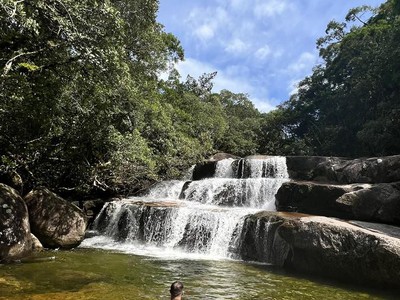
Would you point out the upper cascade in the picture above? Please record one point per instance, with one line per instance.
(266, 167)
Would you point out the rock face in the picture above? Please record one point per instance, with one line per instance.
(367, 202)
(15, 235)
(364, 253)
(341, 170)
(54, 221)
(204, 169)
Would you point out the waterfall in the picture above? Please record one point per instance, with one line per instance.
(201, 218)
(224, 168)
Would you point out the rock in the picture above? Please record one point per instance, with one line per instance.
(12, 179)
(36, 244)
(221, 155)
(342, 170)
(15, 234)
(185, 186)
(325, 247)
(204, 170)
(365, 202)
(368, 170)
(316, 168)
(375, 203)
(314, 198)
(54, 221)
(92, 208)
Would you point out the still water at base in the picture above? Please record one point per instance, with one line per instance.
(99, 274)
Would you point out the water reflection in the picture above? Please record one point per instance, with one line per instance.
(97, 274)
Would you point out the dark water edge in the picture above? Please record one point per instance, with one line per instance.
(99, 274)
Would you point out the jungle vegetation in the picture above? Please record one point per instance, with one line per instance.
(84, 110)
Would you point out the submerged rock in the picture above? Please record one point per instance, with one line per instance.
(361, 253)
(54, 221)
(15, 234)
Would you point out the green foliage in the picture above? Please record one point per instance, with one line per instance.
(75, 75)
(83, 109)
(243, 121)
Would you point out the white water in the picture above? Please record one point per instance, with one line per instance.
(224, 168)
(205, 223)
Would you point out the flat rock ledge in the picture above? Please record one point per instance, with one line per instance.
(359, 252)
(365, 202)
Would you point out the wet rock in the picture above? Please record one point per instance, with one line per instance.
(222, 155)
(204, 170)
(54, 221)
(197, 237)
(36, 244)
(327, 247)
(185, 186)
(15, 235)
(92, 208)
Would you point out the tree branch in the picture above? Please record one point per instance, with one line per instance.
(9, 63)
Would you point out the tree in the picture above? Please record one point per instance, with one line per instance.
(74, 76)
(243, 120)
(349, 106)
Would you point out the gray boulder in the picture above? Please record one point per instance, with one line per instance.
(314, 198)
(326, 247)
(365, 202)
(375, 203)
(15, 234)
(342, 170)
(54, 221)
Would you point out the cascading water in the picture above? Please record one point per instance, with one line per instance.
(202, 218)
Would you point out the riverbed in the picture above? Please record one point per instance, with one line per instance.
(104, 274)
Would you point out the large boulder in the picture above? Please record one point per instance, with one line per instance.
(314, 198)
(366, 202)
(317, 168)
(342, 170)
(54, 221)
(361, 253)
(15, 234)
(376, 203)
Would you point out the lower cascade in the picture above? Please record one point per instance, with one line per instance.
(202, 218)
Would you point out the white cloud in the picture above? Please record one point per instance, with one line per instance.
(269, 8)
(205, 23)
(204, 32)
(236, 46)
(263, 52)
(305, 62)
(263, 105)
(240, 4)
(293, 86)
(226, 80)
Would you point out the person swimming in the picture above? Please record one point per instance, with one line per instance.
(176, 290)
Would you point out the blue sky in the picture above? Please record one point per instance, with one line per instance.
(258, 47)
